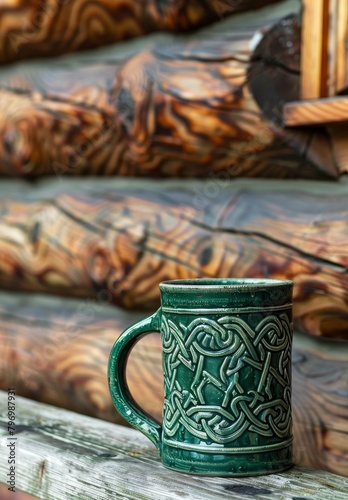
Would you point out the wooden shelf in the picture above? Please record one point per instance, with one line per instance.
(316, 112)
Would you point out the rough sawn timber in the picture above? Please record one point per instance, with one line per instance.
(185, 108)
(129, 239)
(66, 456)
(56, 351)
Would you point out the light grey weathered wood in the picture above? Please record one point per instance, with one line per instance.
(63, 455)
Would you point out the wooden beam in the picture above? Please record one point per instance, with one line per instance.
(342, 45)
(102, 460)
(314, 48)
(316, 112)
(333, 49)
(338, 47)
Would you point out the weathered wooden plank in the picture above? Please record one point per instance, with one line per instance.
(66, 455)
(152, 115)
(316, 112)
(126, 241)
(314, 49)
(56, 351)
(36, 28)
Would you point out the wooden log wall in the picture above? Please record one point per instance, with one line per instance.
(56, 352)
(36, 28)
(211, 107)
(183, 109)
(129, 239)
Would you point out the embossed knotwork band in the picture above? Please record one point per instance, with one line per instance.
(249, 386)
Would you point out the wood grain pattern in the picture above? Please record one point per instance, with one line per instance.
(332, 47)
(36, 28)
(102, 459)
(58, 354)
(337, 47)
(183, 109)
(340, 46)
(126, 241)
(314, 49)
(316, 112)
(320, 396)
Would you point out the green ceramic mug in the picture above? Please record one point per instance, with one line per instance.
(227, 376)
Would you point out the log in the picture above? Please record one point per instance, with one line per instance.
(57, 352)
(319, 402)
(36, 28)
(127, 240)
(104, 461)
(209, 104)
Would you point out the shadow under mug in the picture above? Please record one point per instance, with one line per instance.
(226, 351)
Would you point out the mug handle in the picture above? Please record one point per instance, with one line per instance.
(119, 390)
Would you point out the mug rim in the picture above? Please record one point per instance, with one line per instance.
(223, 284)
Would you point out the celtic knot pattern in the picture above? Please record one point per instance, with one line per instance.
(224, 378)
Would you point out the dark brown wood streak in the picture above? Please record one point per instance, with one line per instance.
(185, 109)
(320, 397)
(127, 240)
(32, 28)
(58, 355)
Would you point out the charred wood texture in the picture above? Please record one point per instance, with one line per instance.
(128, 240)
(59, 356)
(184, 109)
(32, 28)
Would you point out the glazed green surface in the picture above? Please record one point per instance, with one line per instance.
(227, 376)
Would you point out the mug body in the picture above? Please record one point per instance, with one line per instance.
(227, 376)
